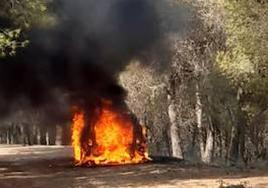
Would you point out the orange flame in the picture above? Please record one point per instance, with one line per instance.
(115, 140)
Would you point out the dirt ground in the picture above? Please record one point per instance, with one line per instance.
(45, 167)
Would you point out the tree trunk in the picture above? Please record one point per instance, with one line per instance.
(207, 155)
(58, 135)
(233, 153)
(198, 112)
(35, 133)
(43, 136)
(237, 138)
(52, 135)
(38, 135)
(8, 136)
(174, 132)
(66, 135)
(206, 149)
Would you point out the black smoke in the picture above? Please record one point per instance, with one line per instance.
(76, 62)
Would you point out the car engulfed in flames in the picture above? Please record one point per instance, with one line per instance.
(107, 136)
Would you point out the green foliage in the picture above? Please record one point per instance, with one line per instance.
(245, 59)
(23, 15)
(27, 13)
(9, 42)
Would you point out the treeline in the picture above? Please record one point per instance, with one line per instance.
(30, 127)
(25, 134)
(211, 104)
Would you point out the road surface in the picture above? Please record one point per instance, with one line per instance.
(52, 166)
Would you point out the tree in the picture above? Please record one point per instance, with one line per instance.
(18, 17)
(147, 99)
(244, 63)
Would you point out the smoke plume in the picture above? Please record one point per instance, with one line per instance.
(76, 62)
(81, 56)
